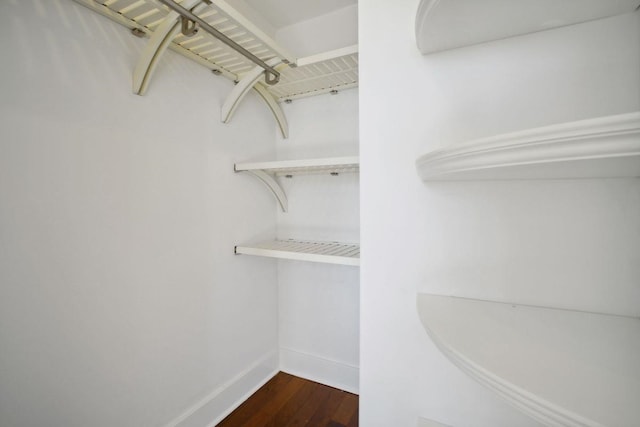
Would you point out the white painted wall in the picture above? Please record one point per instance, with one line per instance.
(121, 302)
(319, 303)
(326, 32)
(573, 244)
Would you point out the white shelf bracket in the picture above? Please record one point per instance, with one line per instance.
(239, 91)
(273, 185)
(268, 171)
(274, 106)
(158, 43)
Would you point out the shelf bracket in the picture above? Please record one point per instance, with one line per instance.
(274, 106)
(273, 185)
(157, 45)
(239, 91)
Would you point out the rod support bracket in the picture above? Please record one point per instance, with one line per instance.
(271, 78)
(189, 27)
(193, 17)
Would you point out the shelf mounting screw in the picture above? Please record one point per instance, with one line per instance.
(138, 32)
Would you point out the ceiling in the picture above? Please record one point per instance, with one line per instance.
(282, 13)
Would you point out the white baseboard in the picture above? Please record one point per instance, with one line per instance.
(321, 370)
(214, 407)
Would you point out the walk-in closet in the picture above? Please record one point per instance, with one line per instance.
(331, 213)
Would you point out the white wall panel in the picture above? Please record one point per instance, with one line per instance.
(330, 31)
(571, 243)
(121, 302)
(319, 304)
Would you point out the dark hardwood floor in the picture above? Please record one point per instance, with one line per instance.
(288, 401)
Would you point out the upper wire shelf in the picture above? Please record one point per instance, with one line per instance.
(301, 77)
(304, 250)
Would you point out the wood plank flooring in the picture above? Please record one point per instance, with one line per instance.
(289, 401)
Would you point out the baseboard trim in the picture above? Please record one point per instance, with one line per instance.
(214, 407)
(319, 369)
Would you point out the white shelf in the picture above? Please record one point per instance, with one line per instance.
(303, 166)
(268, 171)
(334, 70)
(318, 74)
(607, 147)
(443, 25)
(561, 367)
(324, 252)
(287, 78)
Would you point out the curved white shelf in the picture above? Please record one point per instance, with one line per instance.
(442, 25)
(268, 171)
(324, 252)
(606, 147)
(561, 367)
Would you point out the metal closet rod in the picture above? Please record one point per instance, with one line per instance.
(271, 75)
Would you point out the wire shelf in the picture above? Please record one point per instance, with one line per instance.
(314, 75)
(334, 165)
(324, 252)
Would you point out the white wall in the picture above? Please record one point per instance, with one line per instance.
(326, 32)
(319, 303)
(121, 302)
(573, 244)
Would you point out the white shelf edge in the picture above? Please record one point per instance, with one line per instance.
(561, 367)
(594, 148)
(292, 165)
(322, 252)
(445, 25)
(423, 14)
(316, 92)
(328, 55)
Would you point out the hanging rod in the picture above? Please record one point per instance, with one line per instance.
(271, 76)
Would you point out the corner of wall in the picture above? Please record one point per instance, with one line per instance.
(223, 400)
